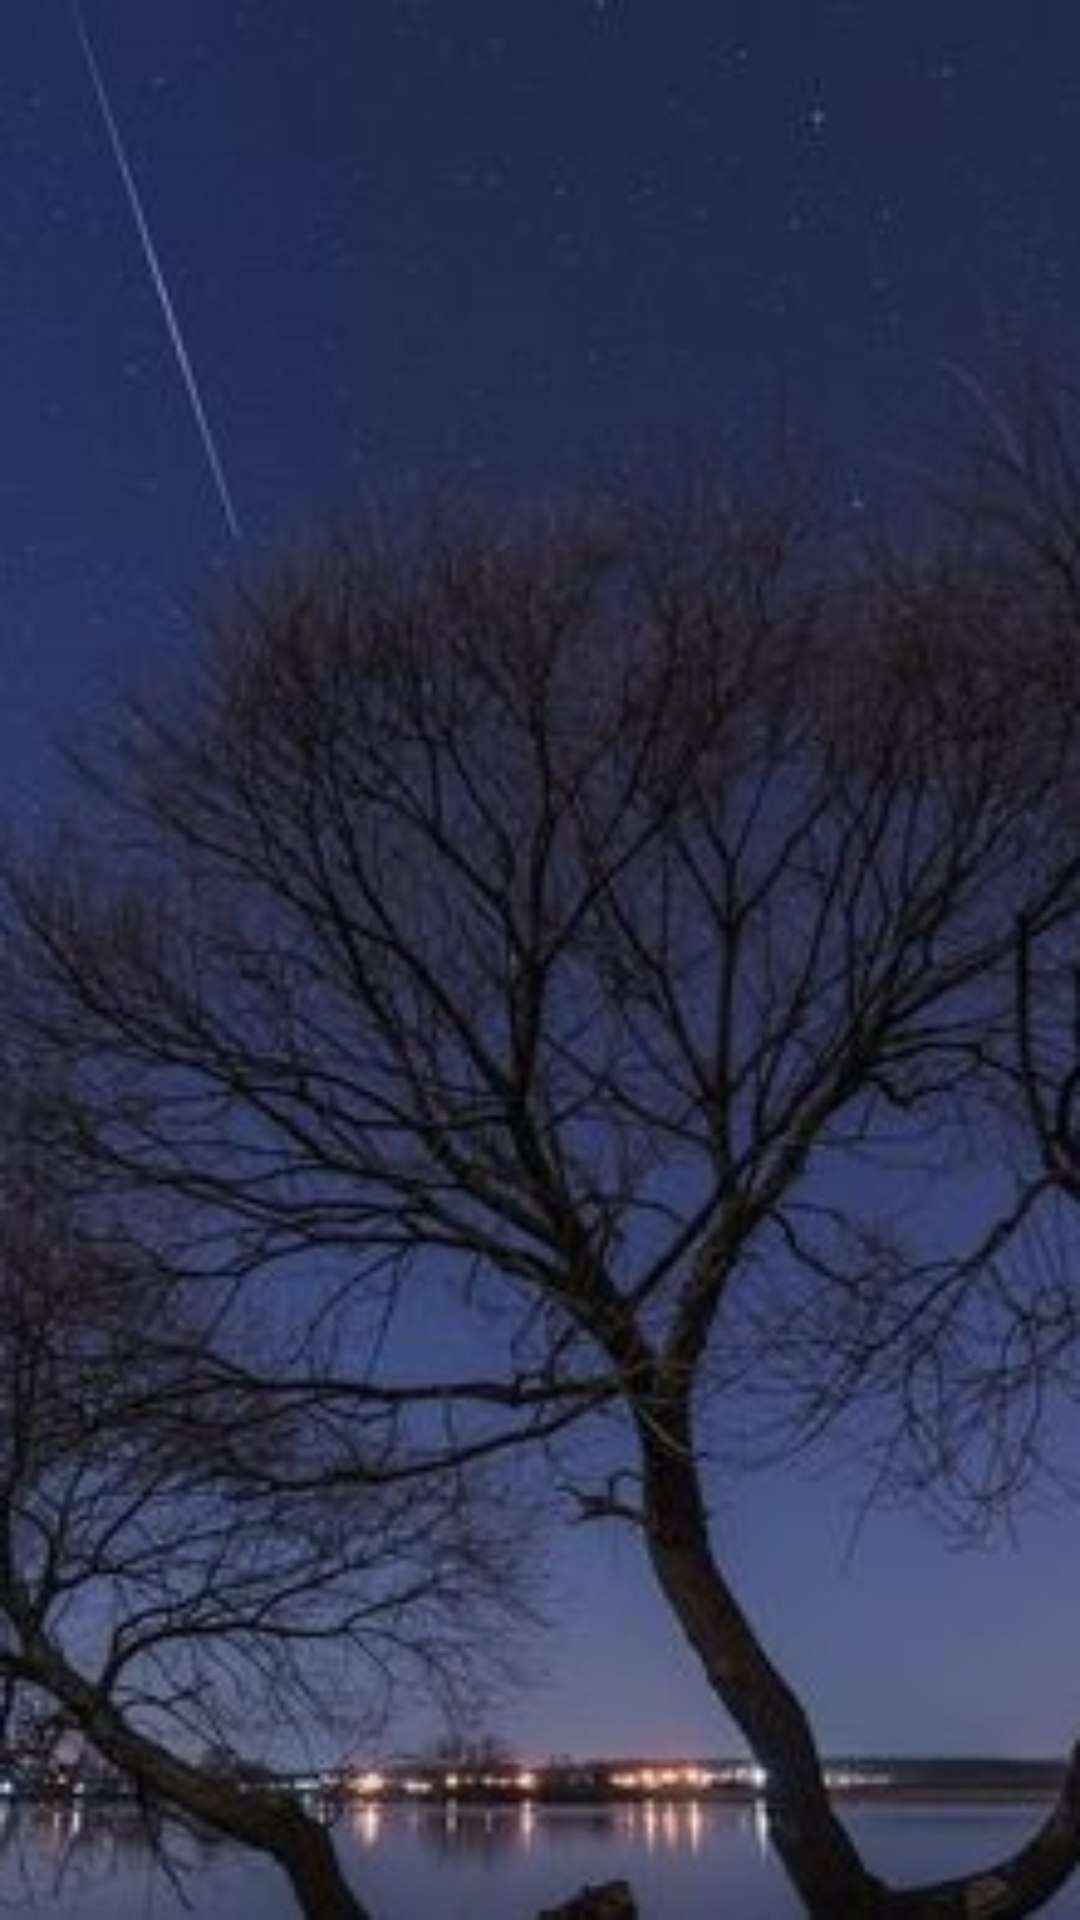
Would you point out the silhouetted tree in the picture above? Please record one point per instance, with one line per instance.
(157, 1604)
(579, 933)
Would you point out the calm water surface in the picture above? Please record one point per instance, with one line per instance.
(685, 1863)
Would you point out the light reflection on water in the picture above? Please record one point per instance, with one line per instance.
(686, 1860)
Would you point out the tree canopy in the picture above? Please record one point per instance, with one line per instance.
(510, 997)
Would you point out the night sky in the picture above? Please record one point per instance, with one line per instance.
(513, 240)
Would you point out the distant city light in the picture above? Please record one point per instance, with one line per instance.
(655, 1785)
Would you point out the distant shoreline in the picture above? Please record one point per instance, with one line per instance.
(745, 1796)
(607, 1785)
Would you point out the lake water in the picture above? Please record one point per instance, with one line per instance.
(685, 1862)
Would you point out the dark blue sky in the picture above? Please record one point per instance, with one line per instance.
(513, 239)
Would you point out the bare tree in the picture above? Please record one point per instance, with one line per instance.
(158, 1605)
(524, 931)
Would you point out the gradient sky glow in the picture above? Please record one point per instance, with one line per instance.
(513, 239)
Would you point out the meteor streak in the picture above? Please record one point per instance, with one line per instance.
(161, 287)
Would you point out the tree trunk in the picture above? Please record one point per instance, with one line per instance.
(306, 1854)
(818, 1853)
(1012, 1888)
(271, 1824)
